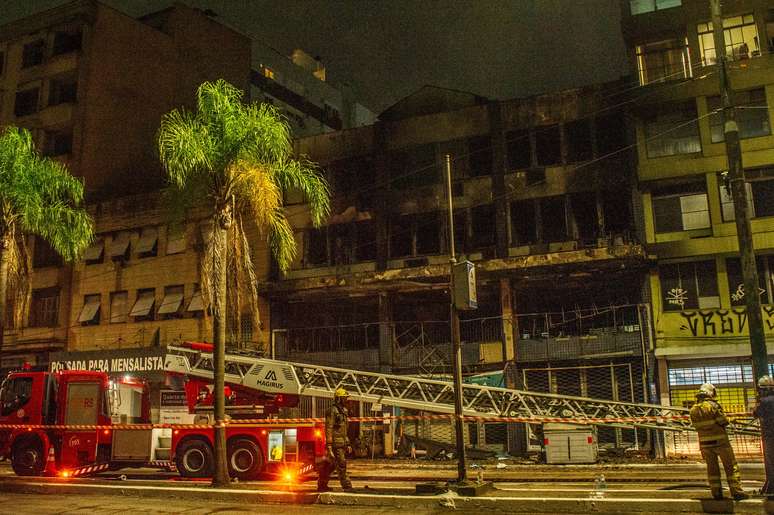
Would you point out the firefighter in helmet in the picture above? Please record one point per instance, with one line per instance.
(765, 412)
(337, 442)
(710, 423)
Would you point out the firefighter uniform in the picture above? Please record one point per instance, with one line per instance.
(710, 423)
(337, 442)
(765, 412)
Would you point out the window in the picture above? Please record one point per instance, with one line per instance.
(196, 305)
(173, 300)
(483, 226)
(578, 137)
(147, 245)
(316, 246)
(548, 145)
(673, 130)
(662, 61)
(32, 55)
(523, 223)
(740, 35)
(611, 133)
(480, 156)
(89, 314)
(44, 254)
(93, 254)
(26, 102)
(765, 266)
(413, 167)
(176, 242)
(366, 241)
(584, 212)
(752, 115)
(689, 286)
(58, 143)
(760, 195)
(647, 6)
(519, 149)
(554, 219)
(44, 308)
(495, 434)
(66, 42)
(428, 233)
(16, 394)
(119, 246)
(401, 236)
(63, 91)
(681, 208)
(119, 307)
(734, 380)
(267, 72)
(143, 307)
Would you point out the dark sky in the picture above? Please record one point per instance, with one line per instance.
(386, 49)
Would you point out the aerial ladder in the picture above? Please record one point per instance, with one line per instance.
(434, 396)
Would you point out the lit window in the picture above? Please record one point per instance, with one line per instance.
(268, 72)
(663, 61)
(740, 35)
(647, 6)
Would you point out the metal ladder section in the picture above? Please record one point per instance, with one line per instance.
(273, 376)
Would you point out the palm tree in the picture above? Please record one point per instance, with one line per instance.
(237, 160)
(37, 196)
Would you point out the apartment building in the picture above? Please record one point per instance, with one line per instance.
(697, 292)
(542, 192)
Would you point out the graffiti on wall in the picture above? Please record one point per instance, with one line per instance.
(722, 322)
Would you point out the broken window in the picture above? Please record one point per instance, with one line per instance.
(584, 211)
(661, 61)
(44, 307)
(616, 206)
(460, 231)
(33, 53)
(413, 167)
(480, 156)
(119, 306)
(519, 149)
(752, 115)
(44, 254)
(63, 91)
(554, 219)
(548, 145)
(66, 42)
(428, 233)
(681, 208)
(317, 246)
(673, 129)
(483, 225)
(578, 136)
(401, 236)
(689, 285)
(26, 102)
(342, 244)
(366, 241)
(523, 223)
(611, 133)
(736, 280)
(739, 34)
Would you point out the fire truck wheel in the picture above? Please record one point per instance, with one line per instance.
(194, 458)
(245, 459)
(27, 457)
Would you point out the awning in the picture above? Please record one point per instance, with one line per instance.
(144, 304)
(94, 252)
(90, 309)
(171, 302)
(197, 303)
(118, 303)
(119, 244)
(176, 242)
(147, 240)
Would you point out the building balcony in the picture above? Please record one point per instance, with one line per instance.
(56, 65)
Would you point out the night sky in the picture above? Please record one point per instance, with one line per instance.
(387, 49)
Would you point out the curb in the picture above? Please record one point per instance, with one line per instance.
(414, 502)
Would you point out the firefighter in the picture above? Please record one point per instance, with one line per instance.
(765, 412)
(710, 423)
(337, 443)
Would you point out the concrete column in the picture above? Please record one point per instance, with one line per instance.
(499, 167)
(386, 339)
(506, 307)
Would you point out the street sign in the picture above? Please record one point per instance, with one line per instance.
(465, 286)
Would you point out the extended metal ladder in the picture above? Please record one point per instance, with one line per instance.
(273, 376)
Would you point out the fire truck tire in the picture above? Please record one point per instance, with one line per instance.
(27, 457)
(194, 458)
(245, 459)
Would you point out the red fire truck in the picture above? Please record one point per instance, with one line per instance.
(73, 403)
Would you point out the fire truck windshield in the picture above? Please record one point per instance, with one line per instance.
(15, 393)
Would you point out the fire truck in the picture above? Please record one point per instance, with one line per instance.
(48, 420)
(74, 423)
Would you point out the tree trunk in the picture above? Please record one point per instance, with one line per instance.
(4, 248)
(222, 223)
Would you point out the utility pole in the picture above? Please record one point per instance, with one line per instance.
(462, 473)
(736, 181)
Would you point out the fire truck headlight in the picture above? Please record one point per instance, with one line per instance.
(318, 434)
(288, 476)
(106, 432)
(65, 473)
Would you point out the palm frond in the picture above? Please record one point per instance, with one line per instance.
(184, 145)
(281, 240)
(305, 176)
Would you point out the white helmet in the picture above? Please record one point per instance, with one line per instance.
(766, 382)
(707, 390)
